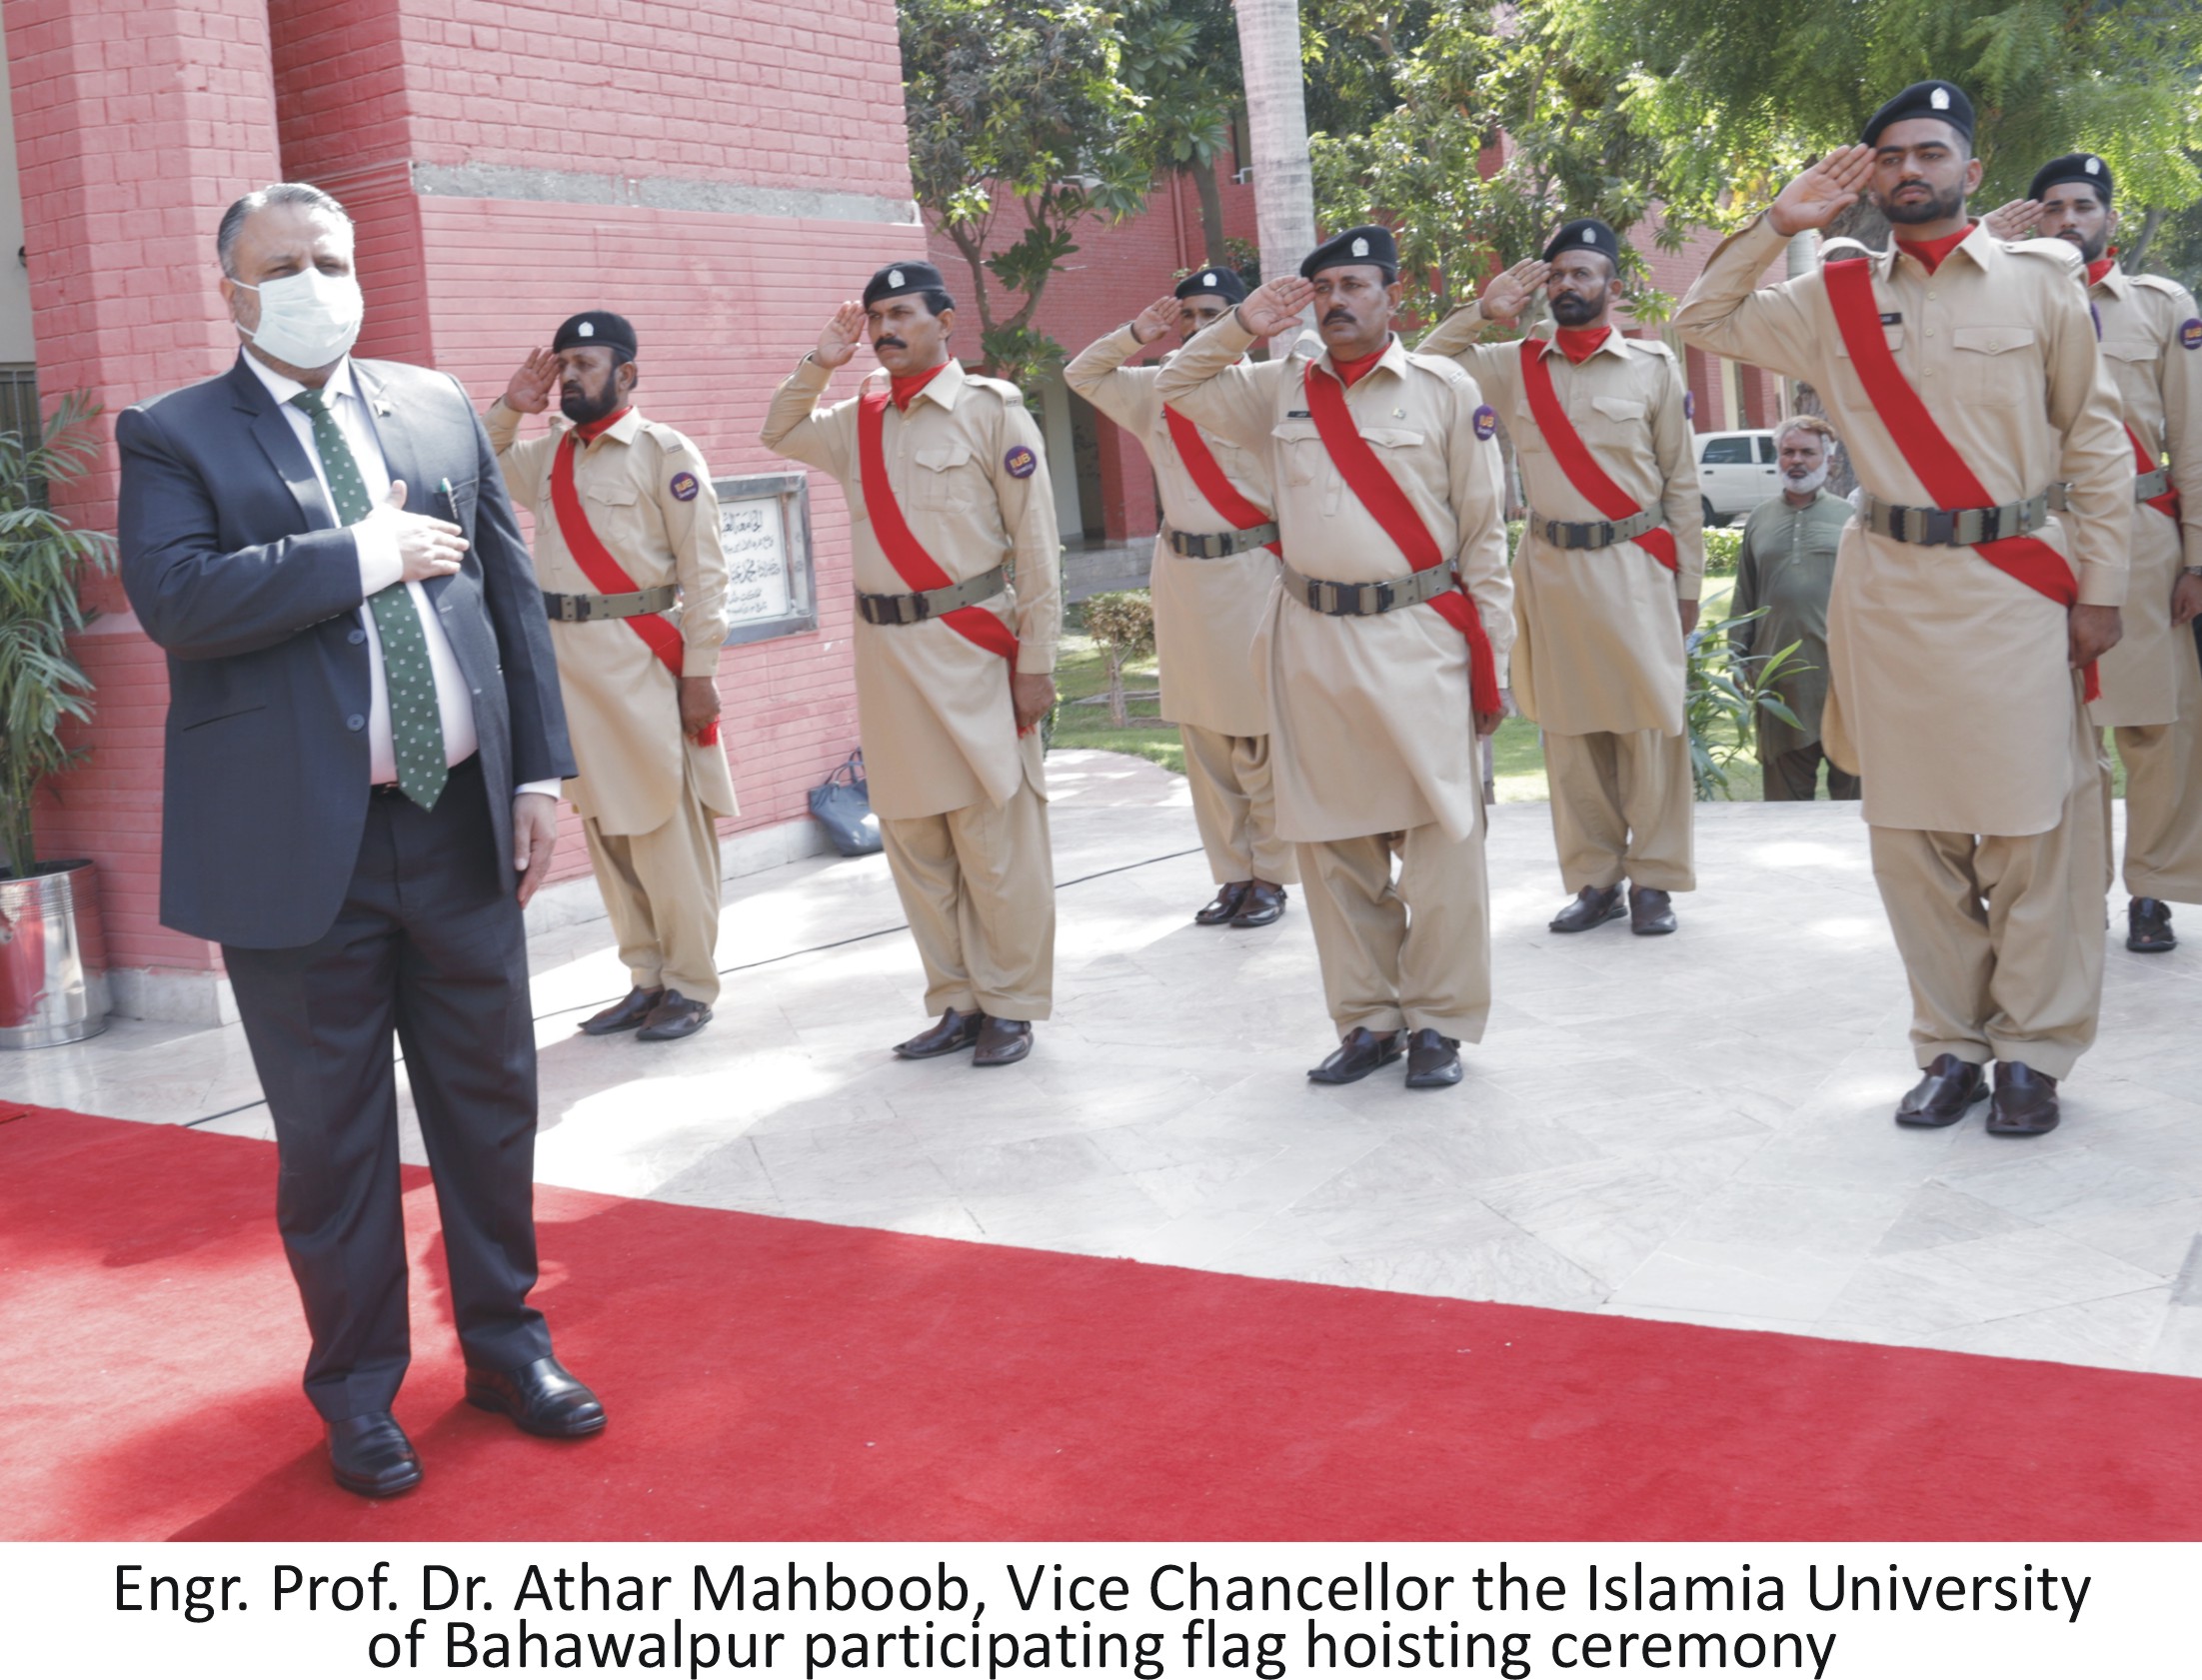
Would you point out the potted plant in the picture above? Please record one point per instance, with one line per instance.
(49, 918)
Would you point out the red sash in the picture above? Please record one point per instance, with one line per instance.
(604, 574)
(1932, 457)
(1388, 503)
(2166, 503)
(900, 544)
(1591, 480)
(1208, 476)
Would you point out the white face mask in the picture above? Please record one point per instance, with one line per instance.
(309, 319)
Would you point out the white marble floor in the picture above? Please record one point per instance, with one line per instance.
(1693, 1128)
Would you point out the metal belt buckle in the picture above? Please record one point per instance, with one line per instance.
(1991, 524)
(578, 606)
(1386, 596)
(1606, 539)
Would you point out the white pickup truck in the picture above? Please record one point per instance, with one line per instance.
(1735, 473)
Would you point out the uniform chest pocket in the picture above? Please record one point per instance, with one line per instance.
(1300, 450)
(945, 480)
(1620, 410)
(612, 493)
(1995, 366)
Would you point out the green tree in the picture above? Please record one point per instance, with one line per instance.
(1181, 58)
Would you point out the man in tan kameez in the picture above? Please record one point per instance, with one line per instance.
(959, 611)
(1211, 589)
(1363, 654)
(1956, 686)
(654, 775)
(1605, 590)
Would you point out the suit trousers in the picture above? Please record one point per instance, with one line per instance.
(1234, 806)
(1795, 775)
(2002, 935)
(979, 887)
(429, 947)
(660, 890)
(2163, 850)
(1622, 807)
(1410, 953)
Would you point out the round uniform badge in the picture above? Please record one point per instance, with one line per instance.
(1689, 405)
(1022, 462)
(2190, 334)
(684, 487)
(1486, 423)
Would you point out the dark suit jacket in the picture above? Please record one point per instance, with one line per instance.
(235, 565)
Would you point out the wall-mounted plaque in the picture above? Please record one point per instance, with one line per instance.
(765, 529)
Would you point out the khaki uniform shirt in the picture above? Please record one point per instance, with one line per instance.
(934, 707)
(1206, 610)
(1949, 688)
(1600, 642)
(1788, 565)
(1372, 729)
(649, 498)
(2158, 374)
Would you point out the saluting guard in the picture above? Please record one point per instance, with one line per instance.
(634, 582)
(959, 612)
(1215, 559)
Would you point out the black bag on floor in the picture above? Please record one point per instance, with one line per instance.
(843, 802)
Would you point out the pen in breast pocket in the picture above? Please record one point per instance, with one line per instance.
(451, 501)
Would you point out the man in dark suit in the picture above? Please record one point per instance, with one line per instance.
(364, 748)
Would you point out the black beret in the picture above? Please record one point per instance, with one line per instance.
(898, 279)
(1356, 244)
(1214, 283)
(2073, 166)
(1586, 233)
(595, 326)
(1943, 100)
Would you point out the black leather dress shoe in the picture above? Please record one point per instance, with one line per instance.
(1262, 904)
(1360, 1054)
(2148, 927)
(1224, 905)
(1949, 1086)
(954, 1031)
(1592, 906)
(674, 1016)
(2025, 1102)
(625, 1016)
(1432, 1059)
(369, 1455)
(1002, 1042)
(1651, 911)
(543, 1398)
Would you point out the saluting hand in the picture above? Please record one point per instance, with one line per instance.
(1276, 306)
(2015, 220)
(1822, 192)
(1505, 296)
(1157, 319)
(528, 390)
(841, 335)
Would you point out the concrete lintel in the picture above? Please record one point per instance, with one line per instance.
(653, 192)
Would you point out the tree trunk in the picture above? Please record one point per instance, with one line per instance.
(1211, 212)
(1119, 716)
(2131, 258)
(1276, 118)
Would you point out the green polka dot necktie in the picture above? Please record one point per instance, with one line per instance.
(416, 726)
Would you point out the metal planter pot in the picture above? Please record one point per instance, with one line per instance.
(52, 958)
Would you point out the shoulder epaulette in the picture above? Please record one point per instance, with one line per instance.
(1444, 366)
(1000, 386)
(1651, 346)
(2159, 283)
(2050, 250)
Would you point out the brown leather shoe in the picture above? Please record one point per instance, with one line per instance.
(954, 1031)
(2025, 1102)
(2148, 927)
(1224, 905)
(674, 1016)
(1002, 1042)
(1432, 1059)
(625, 1016)
(1949, 1086)
(1651, 911)
(1360, 1054)
(1262, 904)
(1592, 906)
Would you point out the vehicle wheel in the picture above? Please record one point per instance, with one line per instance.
(1712, 519)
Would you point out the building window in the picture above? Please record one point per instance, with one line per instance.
(765, 529)
(19, 399)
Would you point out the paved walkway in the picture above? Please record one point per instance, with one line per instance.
(1694, 1128)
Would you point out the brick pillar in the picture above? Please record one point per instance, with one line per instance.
(136, 123)
(1705, 389)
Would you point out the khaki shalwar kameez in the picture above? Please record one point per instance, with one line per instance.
(1950, 688)
(961, 796)
(647, 793)
(1371, 729)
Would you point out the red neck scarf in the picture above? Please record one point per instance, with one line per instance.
(1931, 251)
(2098, 268)
(905, 386)
(596, 429)
(1348, 371)
(1579, 344)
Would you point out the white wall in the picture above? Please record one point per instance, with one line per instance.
(15, 284)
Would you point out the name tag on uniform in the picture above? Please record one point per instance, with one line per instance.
(1297, 414)
(1892, 318)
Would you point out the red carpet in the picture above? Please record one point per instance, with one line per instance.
(771, 1379)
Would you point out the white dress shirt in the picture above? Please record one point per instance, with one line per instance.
(380, 566)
